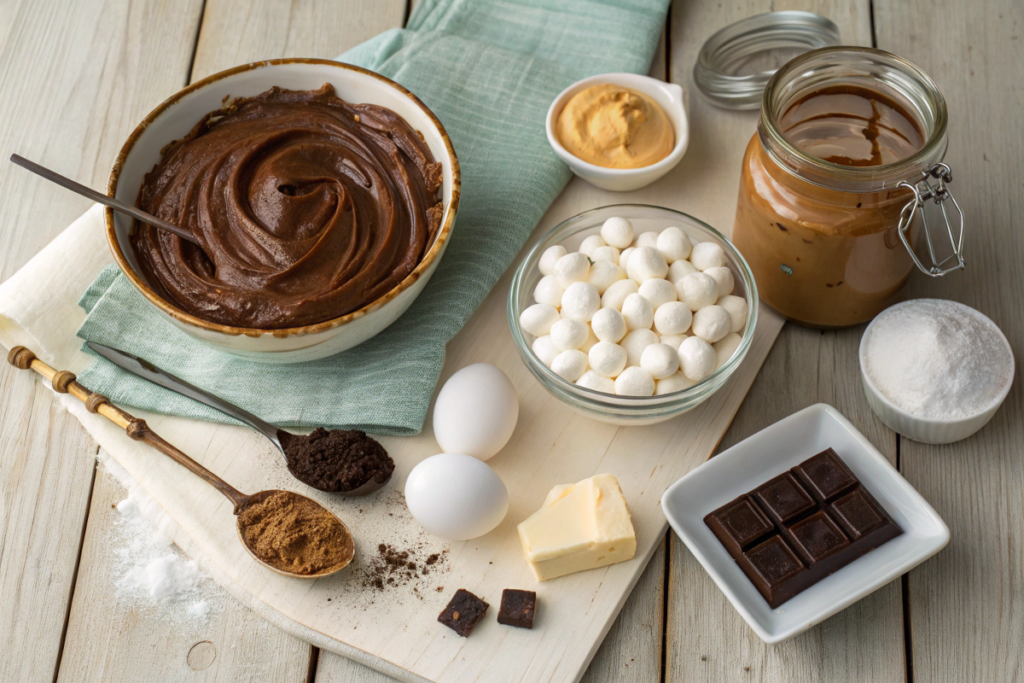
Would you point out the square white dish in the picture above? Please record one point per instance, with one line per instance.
(769, 453)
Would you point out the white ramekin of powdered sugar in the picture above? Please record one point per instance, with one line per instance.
(935, 371)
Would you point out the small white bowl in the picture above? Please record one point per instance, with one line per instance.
(923, 429)
(176, 116)
(769, 453)
(669, 97)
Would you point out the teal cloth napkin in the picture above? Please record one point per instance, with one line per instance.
(488, 69)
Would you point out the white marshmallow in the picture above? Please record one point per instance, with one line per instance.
(737, 309)
(549, 258)
(634, 382)
(592, 380)
(724, 348)
(569, 333)
(609, 325)
(591, 340)
(548, 291)
(674, 244)
(572, 268)
(538, 319)
(647, 239)
(544, 349)
(570, 365)
(661, 360)
(673, 317)
(638, 312)
(646, 263)
(617, 292)
(610, 254)
(658, 292)
(604, 273)
(696, 358)
(680, 269)
(723, 276)
(617, 232)
(711, 323)
(707, 255)
(591, 243)
(697, 290)
(673, 340)
(607, 359)
(635, 342)
(624, 256)
(581, 301)
(672, 384)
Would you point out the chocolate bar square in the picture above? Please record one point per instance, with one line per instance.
(816, 538)
(825, 476)
(517, 608)
(463, 613)
(741, 523)
(784, 499)
(801, 526)
(858, 513)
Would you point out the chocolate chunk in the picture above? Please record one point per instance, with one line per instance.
(517, 608)
(798, 528)
(463, 613)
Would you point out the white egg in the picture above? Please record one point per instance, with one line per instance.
(455, 496)
(476, 411)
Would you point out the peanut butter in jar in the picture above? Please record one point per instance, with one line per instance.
(820, 196)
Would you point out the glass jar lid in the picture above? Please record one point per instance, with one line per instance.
(735, 64)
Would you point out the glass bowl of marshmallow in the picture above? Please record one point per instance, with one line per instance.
(633, 314)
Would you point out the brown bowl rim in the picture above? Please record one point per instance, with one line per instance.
(432, 255)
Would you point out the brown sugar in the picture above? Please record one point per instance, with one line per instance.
(295, 534)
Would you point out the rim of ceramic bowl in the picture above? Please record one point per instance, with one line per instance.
(633, 402)
(422, 267)
(673, 157)
(931, 421)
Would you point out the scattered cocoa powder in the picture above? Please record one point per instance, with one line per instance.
(295, 534)
(392, 567)
(338, 460)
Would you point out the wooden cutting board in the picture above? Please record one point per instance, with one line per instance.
(394, 628)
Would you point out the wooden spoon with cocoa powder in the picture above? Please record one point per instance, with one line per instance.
(325, 544)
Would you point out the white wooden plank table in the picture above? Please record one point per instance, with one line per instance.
(75, 77)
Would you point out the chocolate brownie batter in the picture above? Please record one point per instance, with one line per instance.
(306, 208)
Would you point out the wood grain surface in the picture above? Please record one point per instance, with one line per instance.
(76, 78)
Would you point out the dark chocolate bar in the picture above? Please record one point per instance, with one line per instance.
(517, 608)
(803, 525)
(463, 612)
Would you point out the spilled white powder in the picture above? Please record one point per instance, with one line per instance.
(148, 571)
(937, 359)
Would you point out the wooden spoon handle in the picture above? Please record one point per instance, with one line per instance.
(64, 382)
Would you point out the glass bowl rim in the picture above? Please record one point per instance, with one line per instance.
(631, 402)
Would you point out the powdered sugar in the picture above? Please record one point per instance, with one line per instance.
(937, 359)
(148, 572)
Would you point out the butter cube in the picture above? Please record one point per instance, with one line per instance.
(580, 526)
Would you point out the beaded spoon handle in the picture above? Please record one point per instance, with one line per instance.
(64, 382)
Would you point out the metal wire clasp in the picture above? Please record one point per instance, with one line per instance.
(924, 190)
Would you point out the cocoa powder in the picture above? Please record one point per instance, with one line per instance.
(339, 460)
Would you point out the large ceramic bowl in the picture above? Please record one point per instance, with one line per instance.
(174, 118)
(627, 410)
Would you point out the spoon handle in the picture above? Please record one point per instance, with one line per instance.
(64, 382)
(123, 207)
(146, 370)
